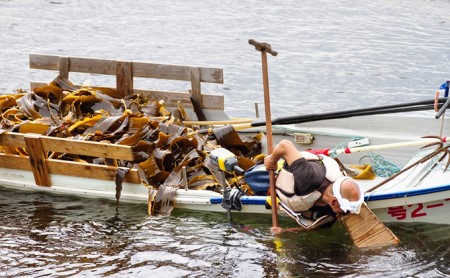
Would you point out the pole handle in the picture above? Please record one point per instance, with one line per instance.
(436, 101)
(263, 47)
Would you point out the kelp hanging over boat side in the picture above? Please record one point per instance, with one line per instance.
(161, 145)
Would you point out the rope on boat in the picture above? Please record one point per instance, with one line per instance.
(382, 167)
(342, 146)
(441, 149)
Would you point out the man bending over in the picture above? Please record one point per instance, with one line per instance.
(313, 185)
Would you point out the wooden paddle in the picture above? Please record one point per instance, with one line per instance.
(367, 231)
(263, 48)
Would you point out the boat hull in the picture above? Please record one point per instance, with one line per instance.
(429, 205)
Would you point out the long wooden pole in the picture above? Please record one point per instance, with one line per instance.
(269, 137)
(263, 48)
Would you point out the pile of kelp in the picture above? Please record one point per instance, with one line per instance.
(162, 146)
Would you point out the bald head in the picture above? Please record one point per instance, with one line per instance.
(350, 190)
(344, 195)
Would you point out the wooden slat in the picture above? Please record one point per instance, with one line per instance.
(64, 67)
(12, 140)
(195, 84)
(213, 102)
(38, 160)
(15, 162)
(108, 67)
(42, 167)
(176, 72)
(65, 145)
(93, 171)
(124, 79)
(68, 168)
(95, 149)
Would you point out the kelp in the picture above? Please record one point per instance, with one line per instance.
(35, 107)
(120, 175)
(33, 127)
(160, 144)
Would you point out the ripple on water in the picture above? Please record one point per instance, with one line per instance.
(204, 244)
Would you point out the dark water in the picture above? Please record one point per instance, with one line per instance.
(47, 235)
(332, 54)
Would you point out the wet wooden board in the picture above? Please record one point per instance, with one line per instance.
(72, 146)
(10, 161)
(69, 168)
(92, 171)
(12, 140)
(124, 78)
(95, 149)
(196, 84)
(38, 159)
(140, 69)
(367, 231)
(213, 102)
(42, 167)
(125, 71)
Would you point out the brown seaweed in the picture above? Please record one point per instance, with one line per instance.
(120, 175)
(228, 138)
(161, 145)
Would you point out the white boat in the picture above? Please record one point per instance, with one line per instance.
(421, 194)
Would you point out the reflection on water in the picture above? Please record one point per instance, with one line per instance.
(50, 235)
(323, 254)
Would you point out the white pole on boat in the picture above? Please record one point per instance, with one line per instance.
(441, 112)
(422, 142)
(436, 109)
(264, 48)
(256, 110)
(224, 122)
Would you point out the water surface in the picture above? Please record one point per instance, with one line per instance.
(49, 235)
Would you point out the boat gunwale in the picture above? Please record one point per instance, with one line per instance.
(378, 196)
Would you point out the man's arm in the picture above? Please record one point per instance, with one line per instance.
(285, 149)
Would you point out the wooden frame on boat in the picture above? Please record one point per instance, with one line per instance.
(125, 71)
(42, 166)
(34, 149)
